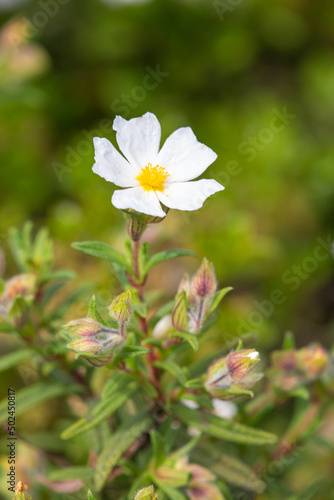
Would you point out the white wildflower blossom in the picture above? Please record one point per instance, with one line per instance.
(150, 176)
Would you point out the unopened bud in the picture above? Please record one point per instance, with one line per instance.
(204, 282)
(21, 487)
(313, 360)
(147, 494)
(172, 476)
(120, 308)
(205, 491)
(180, 312)
(21, 285)
(92, 340)
(136, 226)
(231, 376)
(163, 327)
(84, 327)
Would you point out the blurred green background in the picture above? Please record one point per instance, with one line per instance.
(255, 81)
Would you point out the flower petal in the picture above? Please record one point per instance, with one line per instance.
(184, 157)
(111, 165)
(188, 195)
(138, 138)
(136, 198)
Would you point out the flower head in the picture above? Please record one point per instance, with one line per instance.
(151, 176)
(232, 375)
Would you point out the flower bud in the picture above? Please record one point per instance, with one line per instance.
(83, 327)
(92, 340)
(163, 327)
(204, 282)
(120, 308)
(172, 476)
(293, 368)
(231, 376)
(205, 491)
(146, 494)
(136, 226)
(201, 485)
(180, 312)
(21, 285)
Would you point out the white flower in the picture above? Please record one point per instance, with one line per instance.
(151, 176)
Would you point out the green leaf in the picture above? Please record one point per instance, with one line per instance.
(102, 251)
(84, 473)
(130, 352)
(195, 383)
(186, 449)
(235, 472)
(35, 394)
(101, 411)
(223, 429)
(171, 493)
(300, 392)
(159, 448)
(289, 341)
(189, 337)
(217, 298)
(173, 369)
(166, 255)
(90, 495)
(117, 444)
(6, 328)
(93, 311)
(60, 274)
(14, 358)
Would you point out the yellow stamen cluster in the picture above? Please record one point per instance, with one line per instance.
(152, 178)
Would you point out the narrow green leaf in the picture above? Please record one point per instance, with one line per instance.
(235, 472)
(130, 351)
(93, 311)
(6, 328)
(189, 337)
(171, 493)
(159, 448)
(173, 369)
(195, 383)
(60, 274)
(35, 394)
(84, 473)
(102, 410)
(218, 297)
(186, 449)
(289, 341)
(14, 358)
(117, 444)
(166, 255)
(90, 495)
(102, 251)
(224, 429)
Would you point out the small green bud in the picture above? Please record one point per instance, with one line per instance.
(147, 494)
(204, 282)
(120, 308)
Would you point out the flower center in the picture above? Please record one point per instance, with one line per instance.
(152, 178)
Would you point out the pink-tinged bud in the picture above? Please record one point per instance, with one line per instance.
(84, 327)
(172, 476)
(205, 491)
(93, 341)
(22, 285)
(313, 360)
(204, 282)
(180, 312)
(120, 308)
(230, 377)
(293, 368)
(147, 494)
(239, 363)
(199, 474)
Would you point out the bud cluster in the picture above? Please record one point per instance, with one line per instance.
(17, 296)
(146, 494)
(293, 368)
(201, 485)
(233, 376)
(96, 342)
(194, 300)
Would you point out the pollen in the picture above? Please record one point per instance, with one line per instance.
(152, 178)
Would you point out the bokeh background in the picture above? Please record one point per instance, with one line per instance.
(255, 81)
